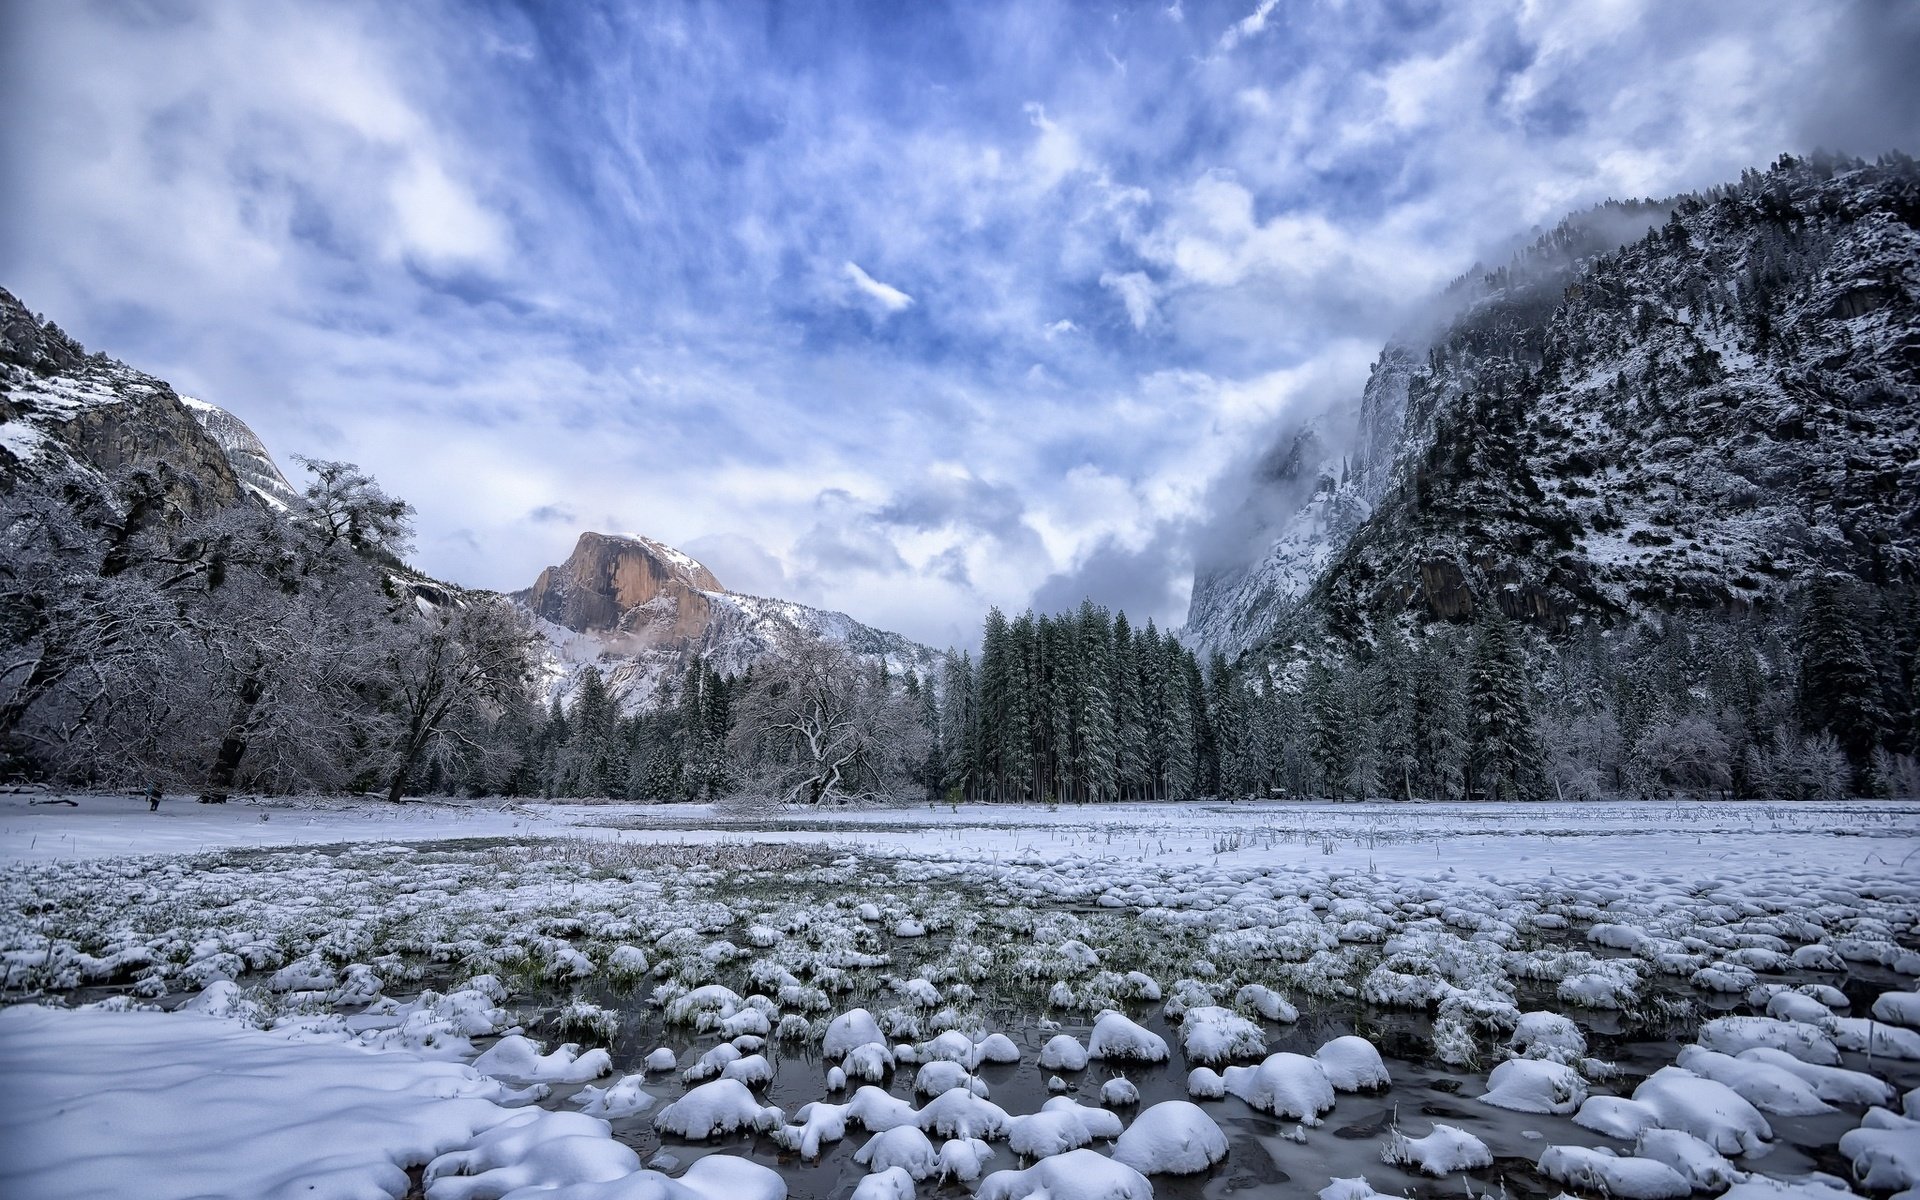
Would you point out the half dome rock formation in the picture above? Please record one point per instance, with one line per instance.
(626, 584)
(641, 612)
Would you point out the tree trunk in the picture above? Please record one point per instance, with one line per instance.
(233, 747)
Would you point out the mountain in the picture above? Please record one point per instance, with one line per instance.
(638, 611)
(641, 613)
(1696, 404)
(246, 453)
(70, 417)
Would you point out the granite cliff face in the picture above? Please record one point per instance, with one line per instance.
(640, 613)
(67, 416)
(1702, 412)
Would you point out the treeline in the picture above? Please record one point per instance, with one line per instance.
(253, 647)
(1821, 700)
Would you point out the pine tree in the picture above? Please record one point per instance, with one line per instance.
(1505, 761)
(1129, 717)
(1839, 686)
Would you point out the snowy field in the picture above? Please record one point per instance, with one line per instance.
(327, 998)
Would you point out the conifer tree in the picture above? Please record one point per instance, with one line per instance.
(1504, 759)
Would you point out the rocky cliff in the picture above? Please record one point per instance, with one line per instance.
(67, 416)
(640, 612)
(1701, 414)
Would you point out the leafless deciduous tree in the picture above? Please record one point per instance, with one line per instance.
(820, 727)
(445, 669)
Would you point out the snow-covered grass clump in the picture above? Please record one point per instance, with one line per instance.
(1443, 1151)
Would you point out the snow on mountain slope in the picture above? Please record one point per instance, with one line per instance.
(67, 416)
(641, 612)
(1697, 418)
(251, 459)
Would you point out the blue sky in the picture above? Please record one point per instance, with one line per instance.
(903, 309)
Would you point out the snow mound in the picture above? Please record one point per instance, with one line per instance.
(1063, 1052)
(1174, 1137)
(1604, 1172)
(1286, 1085)
(516, 1057)
(292, 1113)
(1898, 1008)
(1766, 1087)
(1204, 1083)
(1075, 1175)
(1731, 1035)
(1616, 1116)
(961, 1114)
(1884, 1152)
(532, 1149)
(620, 1099)
(820, 1123)
(1114, 1036)
(1267, 1002)
(1705, 1168)
(1866, 1036)
(894, 1183)
(962, 1160)
(1835, 1085)
(1445, 1150)
(904, 1147)
(1547, 1035)
(1211, 1034)
(851, 1030)
(716, 1108)
(1712, 1112)
(1353, 1064)
(1533, 1085)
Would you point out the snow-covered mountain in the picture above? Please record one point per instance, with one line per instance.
(1695, 413)
(636, 610)
(641, 612)
(69, 416)
(249, 456)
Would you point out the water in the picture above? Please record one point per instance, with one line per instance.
(1262, 1162)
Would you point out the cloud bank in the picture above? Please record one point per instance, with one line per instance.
(901, 309)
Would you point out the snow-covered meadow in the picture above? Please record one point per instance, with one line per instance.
(467, 1001)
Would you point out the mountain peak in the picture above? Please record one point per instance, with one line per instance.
(609, 577)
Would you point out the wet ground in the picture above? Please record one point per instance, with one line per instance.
(1262, 1160)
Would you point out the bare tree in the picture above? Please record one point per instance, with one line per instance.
(443, 668)
(819, 726)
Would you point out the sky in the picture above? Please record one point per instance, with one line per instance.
(898, 309)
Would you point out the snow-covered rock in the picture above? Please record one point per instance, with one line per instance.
(1114, 1036)
(1604, 1172)
(716, 1108)
(1075, 1175)
(1285, 1084)
(1443, 1151)
(1174, 1137)
(1353, 1064)
(1535, 1086)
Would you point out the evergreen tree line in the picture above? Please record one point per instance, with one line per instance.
(1818, 701)
(677, 749)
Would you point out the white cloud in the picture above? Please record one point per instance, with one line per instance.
(890, 299)
(1136, 291)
